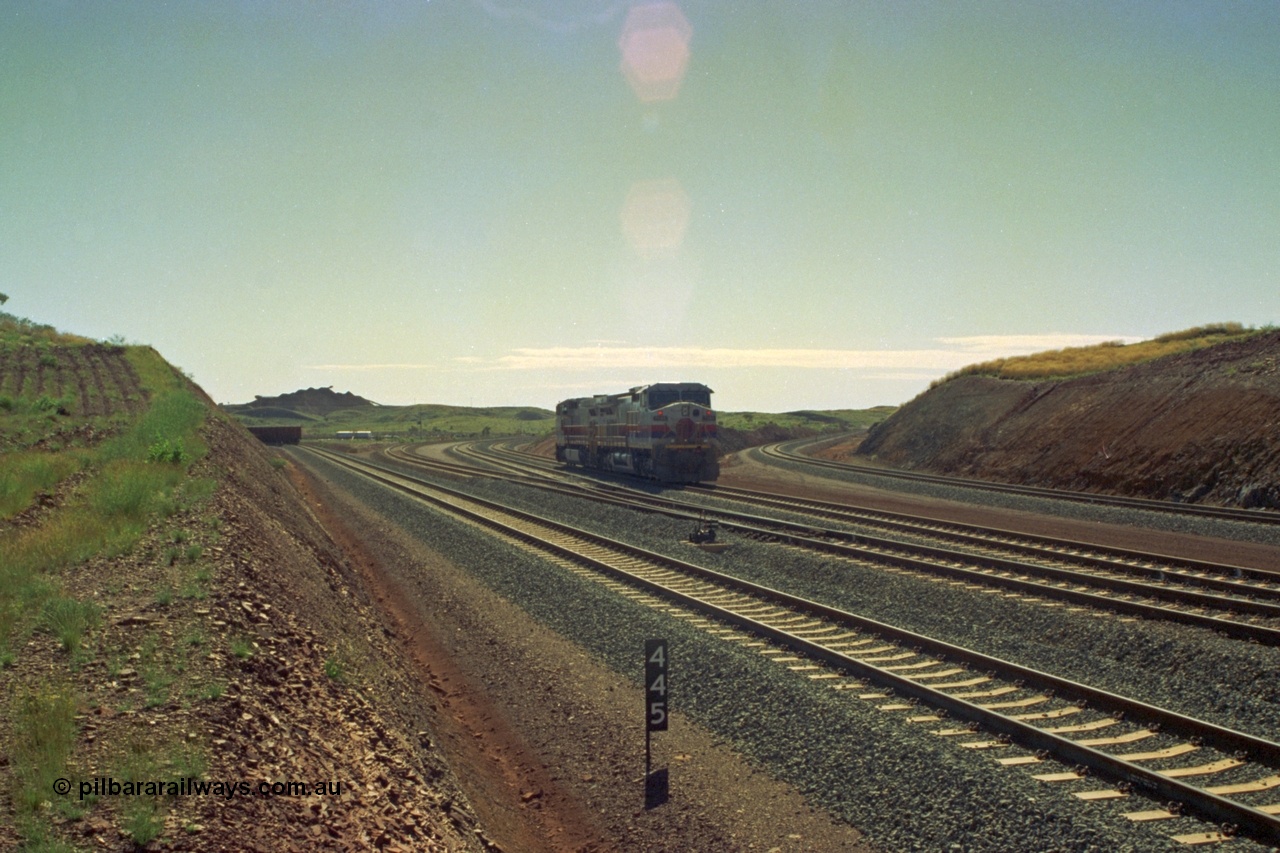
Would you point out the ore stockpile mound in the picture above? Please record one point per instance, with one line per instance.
(1197, 427)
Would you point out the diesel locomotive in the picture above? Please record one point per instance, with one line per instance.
(665, 432)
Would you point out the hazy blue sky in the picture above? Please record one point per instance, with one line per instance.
(804, 205)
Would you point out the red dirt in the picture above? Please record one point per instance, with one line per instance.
(746, 473)
(1200, 426)
(494, 765)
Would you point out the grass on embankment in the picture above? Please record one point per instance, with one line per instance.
(1111, 355)
(831, 420)
(128, 481)
(130, 478)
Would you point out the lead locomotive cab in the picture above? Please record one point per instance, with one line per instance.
(665, 431)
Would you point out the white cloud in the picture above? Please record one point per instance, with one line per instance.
(621, 358)
(1024, 344)
(385, 366)
(953, 354)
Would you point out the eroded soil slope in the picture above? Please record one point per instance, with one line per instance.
(236, 644)
(1202, 426)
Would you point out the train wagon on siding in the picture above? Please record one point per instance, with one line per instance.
(665, 432)
(277, 434)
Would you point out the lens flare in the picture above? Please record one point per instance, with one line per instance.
(655, 50)
(655, 217)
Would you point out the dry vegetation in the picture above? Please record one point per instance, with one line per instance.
(1195, 425)
(173, 617)
(97, 442)
(1111, 355)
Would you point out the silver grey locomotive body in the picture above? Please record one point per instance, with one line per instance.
(665, 431)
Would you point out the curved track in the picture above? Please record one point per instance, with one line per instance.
(789, 451)
(1007, 706)
(1235, 601)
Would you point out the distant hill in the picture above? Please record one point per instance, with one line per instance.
(322, 412)
(739, 430)
(316, 402)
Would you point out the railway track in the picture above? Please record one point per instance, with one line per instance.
(1137, 563)
(1238, 602)
(1224, 776)
(787, 451)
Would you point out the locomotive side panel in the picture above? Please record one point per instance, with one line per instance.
(665, 432)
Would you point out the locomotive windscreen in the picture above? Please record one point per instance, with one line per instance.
(666, 395)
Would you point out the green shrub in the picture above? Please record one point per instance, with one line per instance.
(25, 475)
(141, 817)
(168, 452)
(166, 431)
(129, 491)
(334, 669)
(69, 620)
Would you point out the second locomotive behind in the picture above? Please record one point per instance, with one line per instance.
(665, 431)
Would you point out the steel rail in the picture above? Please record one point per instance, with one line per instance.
(1102, 556)
(975, 568)
(780, 450)
(1222, 577)
(1253, 822)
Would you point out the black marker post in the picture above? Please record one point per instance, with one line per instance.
(656, 692)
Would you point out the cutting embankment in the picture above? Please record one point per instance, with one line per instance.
(187, 661)
(1200, 425)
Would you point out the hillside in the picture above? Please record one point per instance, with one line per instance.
(1198, 426)
(174, 618)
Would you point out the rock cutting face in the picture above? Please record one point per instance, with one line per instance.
(1198, 426)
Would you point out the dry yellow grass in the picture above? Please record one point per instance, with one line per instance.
(1081, 361)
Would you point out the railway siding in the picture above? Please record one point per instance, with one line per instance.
(1221, 598)
(885, 708)
(906, 788)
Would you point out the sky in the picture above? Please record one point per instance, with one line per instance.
(818, 205)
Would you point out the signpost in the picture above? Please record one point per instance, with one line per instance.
(657, 687)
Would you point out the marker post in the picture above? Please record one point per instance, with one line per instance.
(656, 695)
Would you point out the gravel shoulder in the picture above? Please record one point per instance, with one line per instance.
(904, 788)
(546, 733)
(1256, 546)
